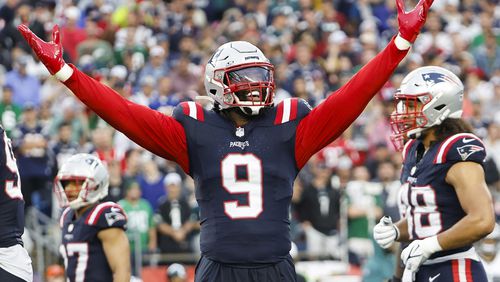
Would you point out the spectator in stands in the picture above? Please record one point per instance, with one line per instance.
(71, 33)
(141, 230)
(364, 208)
(166, 99)
(174, 217)
(25, 87)
(93, 45)
(151, 182)
(63, 147)
(9, 112)
(35, 159)
(319, 212)
(157, 65)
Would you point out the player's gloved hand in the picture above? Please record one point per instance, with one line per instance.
(49, 53)
(416, 254)
(385, 232)
(410, 23)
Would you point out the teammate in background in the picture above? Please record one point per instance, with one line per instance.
(488, 248)
(245, 153)
(448, 205)
(94, 244)
(15, 263)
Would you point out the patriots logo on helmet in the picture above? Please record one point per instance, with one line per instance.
(434, 78)
(467, 150)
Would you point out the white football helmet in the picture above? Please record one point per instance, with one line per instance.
(239, 75)
(89, 169)
(427, 96)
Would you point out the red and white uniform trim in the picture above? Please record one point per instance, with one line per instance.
(63, 215)
(461, 269)
(406, 147)
(194, 110)
(287, 111)
(93, 216)
(448, 143)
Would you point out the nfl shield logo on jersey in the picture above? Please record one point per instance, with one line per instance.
(240, 132)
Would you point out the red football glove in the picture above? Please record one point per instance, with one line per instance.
(411, 22)
(50, 53)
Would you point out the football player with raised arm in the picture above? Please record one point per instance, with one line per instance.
(447, 205)
(245, 153)
(94, 244)
(15, 263)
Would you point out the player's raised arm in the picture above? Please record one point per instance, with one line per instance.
(156, 132)
(328, 120)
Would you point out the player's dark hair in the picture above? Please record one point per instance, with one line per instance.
(451, 126)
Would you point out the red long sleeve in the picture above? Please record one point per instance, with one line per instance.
(156, 132)
(329, 119)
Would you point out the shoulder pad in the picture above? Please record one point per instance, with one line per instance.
(460, 148)
(191, 109)
(63, 216)
(106, 215)
(290, 109)
(407, 148)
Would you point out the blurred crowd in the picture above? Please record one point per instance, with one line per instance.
(153, 53)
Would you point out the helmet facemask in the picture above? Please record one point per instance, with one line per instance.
(249, 87)
(408, 120)
(239, 76)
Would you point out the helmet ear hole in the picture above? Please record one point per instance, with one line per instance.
(213, 91)
(440, 107)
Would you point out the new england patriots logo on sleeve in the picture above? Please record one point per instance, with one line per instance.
(467, 150)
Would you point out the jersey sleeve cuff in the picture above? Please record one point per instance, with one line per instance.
(64, 73)
(401, 43)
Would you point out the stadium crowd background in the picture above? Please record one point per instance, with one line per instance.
(153, 53)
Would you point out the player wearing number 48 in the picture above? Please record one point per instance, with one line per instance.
(446, 205)
(94, 244)
(245, 152)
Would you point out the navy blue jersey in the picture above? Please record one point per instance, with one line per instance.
(82, 250)
(244, 180)
(11, 198)
(432, 205)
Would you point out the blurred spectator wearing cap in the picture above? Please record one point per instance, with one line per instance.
(147, 94)
(71, 33)
(176, 273)
(141, 230)
(157, 64)
(35, 159)
(93, 45)
(25, 87)
(55, 273)
(9, 112)
(174, 217)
